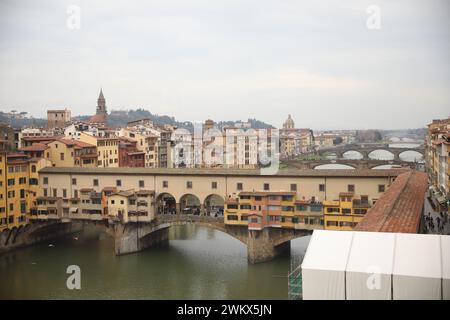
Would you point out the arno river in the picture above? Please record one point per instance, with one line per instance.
(197, 263)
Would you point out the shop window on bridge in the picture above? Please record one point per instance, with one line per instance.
(294, 220)
(273, 208)
(345, 224)
(364, 199)
(245, 207)
(316, 207)
(287, 208)
(333, 210)
(332, 224)
(346, 211)
(360, 211)
(258, 198)
(232, 206)
(244, 218)
(286, 198)
(232, 217)
(301, 207)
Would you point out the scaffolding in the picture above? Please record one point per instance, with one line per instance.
(295, 283)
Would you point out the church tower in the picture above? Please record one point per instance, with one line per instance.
(101, 114)
(101, 103)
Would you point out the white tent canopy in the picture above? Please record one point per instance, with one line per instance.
(445, 251)
(372, 265)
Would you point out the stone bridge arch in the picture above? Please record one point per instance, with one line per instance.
(349, 165)
(214, 204)
(262, 245)
(393, 153)
(418, 152)
(190, 204)
(361, 153)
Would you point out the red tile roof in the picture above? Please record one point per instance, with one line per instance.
(35, 147)
(76, 143)
(400, 208)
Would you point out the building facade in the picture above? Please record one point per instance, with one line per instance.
(437, 155)
(58, 118)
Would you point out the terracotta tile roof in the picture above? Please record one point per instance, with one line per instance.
(400, 208)
(35, 147)
(228, 172)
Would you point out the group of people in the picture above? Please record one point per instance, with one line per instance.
(439, 226)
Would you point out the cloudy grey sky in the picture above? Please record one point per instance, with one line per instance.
(232, 59)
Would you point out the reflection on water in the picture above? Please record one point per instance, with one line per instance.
(198, 263)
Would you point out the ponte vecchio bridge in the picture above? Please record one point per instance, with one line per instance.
(60, 187)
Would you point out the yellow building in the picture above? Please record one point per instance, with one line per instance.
(107, 149)
(71, 153)
(258, 210)
(19, 187)
(345, 213)
(132, 206)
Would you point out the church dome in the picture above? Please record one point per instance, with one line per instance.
(289, 123)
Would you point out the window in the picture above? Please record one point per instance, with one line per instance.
(245, 207)
(61, 156)
(365, 199)
(381, 188)
(239, 186)
(64, 193)
(141, 184)
(45, 180)
(214, 185)
(11, 182)
(346, 211)
(74, 181)
(332, 210)
(55, 192)
(113, 201)
(95, 183)
(45, 192)
(165, 184)
(118, 183)
(293, 187)
(22, 193)
(266, 187)
(189, 184)
(33, 168)
(351, 188)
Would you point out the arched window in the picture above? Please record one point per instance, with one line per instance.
(33, 168)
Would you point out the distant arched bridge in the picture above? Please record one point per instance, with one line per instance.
(366, 149)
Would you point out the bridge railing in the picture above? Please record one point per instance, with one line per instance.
(188, 218)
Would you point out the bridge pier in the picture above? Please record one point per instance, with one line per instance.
(261, 247)
(131, 238)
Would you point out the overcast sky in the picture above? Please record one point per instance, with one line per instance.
(232, 59)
